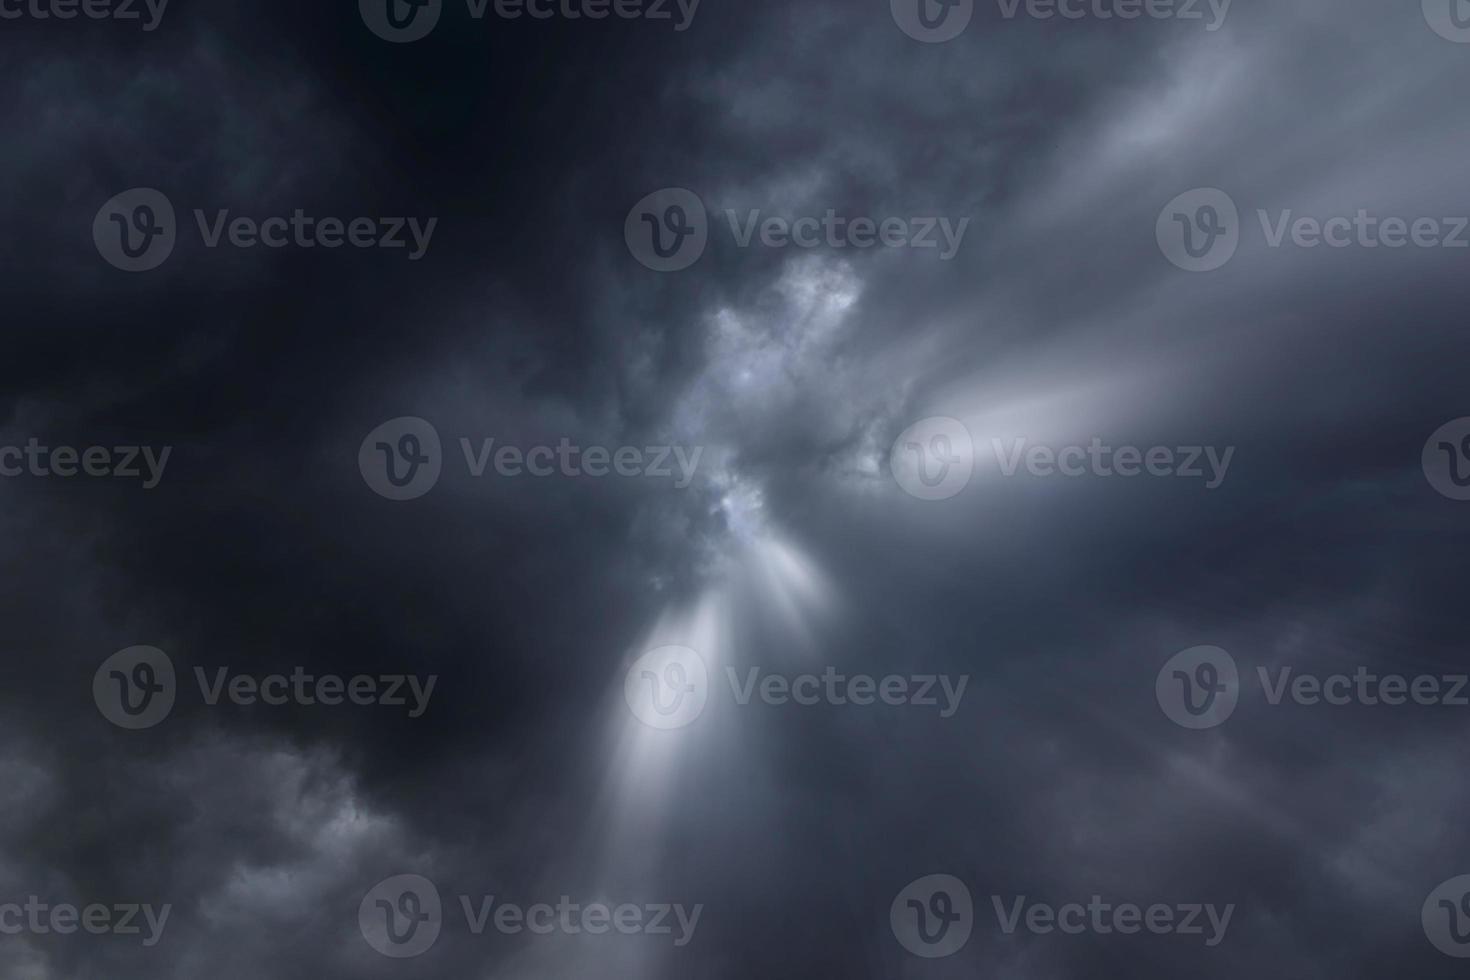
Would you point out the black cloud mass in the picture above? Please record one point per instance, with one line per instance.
(634, 489)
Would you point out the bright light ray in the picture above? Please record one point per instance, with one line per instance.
(755, 577)
(761, 578)
(782, 581)
(644, 759)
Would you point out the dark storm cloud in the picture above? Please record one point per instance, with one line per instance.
(1058, 319)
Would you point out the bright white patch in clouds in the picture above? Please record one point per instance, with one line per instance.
(761, 360)
(743, 505)
(770, 369)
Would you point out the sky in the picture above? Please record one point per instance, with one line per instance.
(872, 488)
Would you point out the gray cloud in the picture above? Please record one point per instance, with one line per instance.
(794, 549)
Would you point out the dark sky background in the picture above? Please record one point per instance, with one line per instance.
(794, 549)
